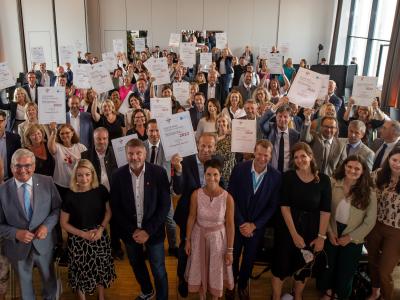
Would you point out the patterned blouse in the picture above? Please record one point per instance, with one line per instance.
(224, 150)
(388, 204)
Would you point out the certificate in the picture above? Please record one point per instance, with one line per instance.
(67, 54)
(160, 108)
(275, 63)
(6, 78)
(187, 54)
(100, 78)
(140, 44)
(181, 92)
(305, 88)
(364, 90)
(244, 135)
(284, 48)
(177, 135)
(221, 40)
(51, 104)
(118, 46)
(174, 40)
(159, 70)
(81, 76)
(205, 61)
(264, 52)
(323, 91)
(118, 145)
(37, 55)
(110, 60)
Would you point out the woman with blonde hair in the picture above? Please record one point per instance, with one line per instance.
(234, 105)
(85, 214)
(263, 99)
(326, 110)
(31, 117)
(16, 108)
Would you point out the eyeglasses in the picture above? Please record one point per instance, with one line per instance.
(26, 166)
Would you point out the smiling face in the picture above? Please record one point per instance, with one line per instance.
(136, 157)
(302, 160)
(36, 137)
(235, 100)
(394, 163)
(66, 135)
(353, 170)
(206, 148)
(212, 177)
(262, 156)
(23, 168)
(84, 178)
(212, 109)
(329, 128)
(31, 113)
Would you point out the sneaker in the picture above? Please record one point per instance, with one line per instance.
(145, 296)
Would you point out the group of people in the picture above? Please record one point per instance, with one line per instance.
(321, 177)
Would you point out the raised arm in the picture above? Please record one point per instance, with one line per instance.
(95, 114)
(51, 143)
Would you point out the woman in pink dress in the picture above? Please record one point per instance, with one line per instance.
(210, 234)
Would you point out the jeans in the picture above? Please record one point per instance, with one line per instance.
(157, 264)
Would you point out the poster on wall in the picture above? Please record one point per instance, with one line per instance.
(37, 55)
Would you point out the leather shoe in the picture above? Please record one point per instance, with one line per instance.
(230, 294)
(244, 294)
(183, 288)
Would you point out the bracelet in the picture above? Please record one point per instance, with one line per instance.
(322, 236)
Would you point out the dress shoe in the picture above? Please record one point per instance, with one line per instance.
(244, 294)
(183, 288)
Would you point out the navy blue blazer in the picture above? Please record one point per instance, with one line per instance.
(157, 203)
(250, 210)
(85, 130)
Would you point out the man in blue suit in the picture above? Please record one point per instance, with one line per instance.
(140, 201)
(255, 186)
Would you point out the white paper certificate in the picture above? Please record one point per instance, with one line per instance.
(100, 78)
(187, 53)
(323, 91)
(159, 70)
(181, 92)
(305, 88)
(364, 90)
(205, 61)
(174, 40)
(81, 76)
(51, 104)
(140, 44)
(37, 55)
(119, 148)
(284, 48)
(177, 135)
(221, 40)
(6, 78)
(160, 108)
(264, 52)
(110, 60)
(67, 54)
(118, 46)
(244, 135)
(275, 63)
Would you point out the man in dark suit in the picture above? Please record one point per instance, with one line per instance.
(333, 98)
(212, 89)
(255, 186)
(247, 88)
(31, 87)
(45, 77)
(279, 134)
(142, 92)
(140, 201)
(29, 210)
(9, 143)
(198, 111)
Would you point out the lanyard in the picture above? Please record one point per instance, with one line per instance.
(256, 183)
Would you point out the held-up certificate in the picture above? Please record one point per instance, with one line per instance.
(174, 40)
(118, 46)
(177, 135)
(37, 55)
(244, 135)
(110, 60)
(140, 44)
(119, 148)
(284, 48)
(181, 92)
(323, 91)
(100, 78)
(264, 52)
(221, 40)
(160, 108)
(67, 54)
(51, 104)
(159, 70)
(81, 76)
(305, 88)
(6, 78)
(275, 63)
(205, 61)
(364, 90)
(187, 53)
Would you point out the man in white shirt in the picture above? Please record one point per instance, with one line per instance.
(31, 87)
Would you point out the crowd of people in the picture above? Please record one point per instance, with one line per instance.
(326, 179)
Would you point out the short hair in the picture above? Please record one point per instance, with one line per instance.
(20, 153)
(200, 94)
(74, 139)
(223, 116)
(396, 127)
(3, 114)
(208, 134)
(213, 163)
(360, 125)
(109, 102)
(135, 112)
(151, 121)
(31, 129)
(134, 143)
(31, 73)
(166, 87)
(329, 118)
(83, 163)
(29, 105)
(100, 129)
(250, 101)
(23, 91)
(263, 143)
(283, 109)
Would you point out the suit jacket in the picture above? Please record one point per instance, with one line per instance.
(243, 91)
(269, 129)
(86, 128)
(218, 92)
(46, 210)
(336, 101)
(240, 187)
(337, 152)
(109, 161)
(377, 143)
(28, 91)
(156, 203)
(13, 143)
(193, 117)
(160, 158)
(362, 150)
(12, 107)
(51, 74)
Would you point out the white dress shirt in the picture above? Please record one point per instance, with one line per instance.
(138, 191)
(75, 122)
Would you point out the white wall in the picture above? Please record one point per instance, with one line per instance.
(302, 23)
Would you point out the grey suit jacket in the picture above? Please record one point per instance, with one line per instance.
(160, 158)
(377, 143)
(46, 210)
(85, 128)
(364, 151)
(246, 95)
(337, 153)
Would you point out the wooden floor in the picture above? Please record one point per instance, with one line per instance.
(125, 286)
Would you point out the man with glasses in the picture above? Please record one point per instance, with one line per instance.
(9, 143)
(329, 151)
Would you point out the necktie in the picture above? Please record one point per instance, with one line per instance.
(27, 201)
(325, 156)
(348, 149)
(281, 152)
(153, 154)
(379, 157)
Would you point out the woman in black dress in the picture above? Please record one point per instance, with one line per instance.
(85, 213)
(305, 207)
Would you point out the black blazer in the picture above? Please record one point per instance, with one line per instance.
(13, 143)
(12, 107)
(157, 203)
(193, 117)
(109, 161)
(218, 92)
(28, 91)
